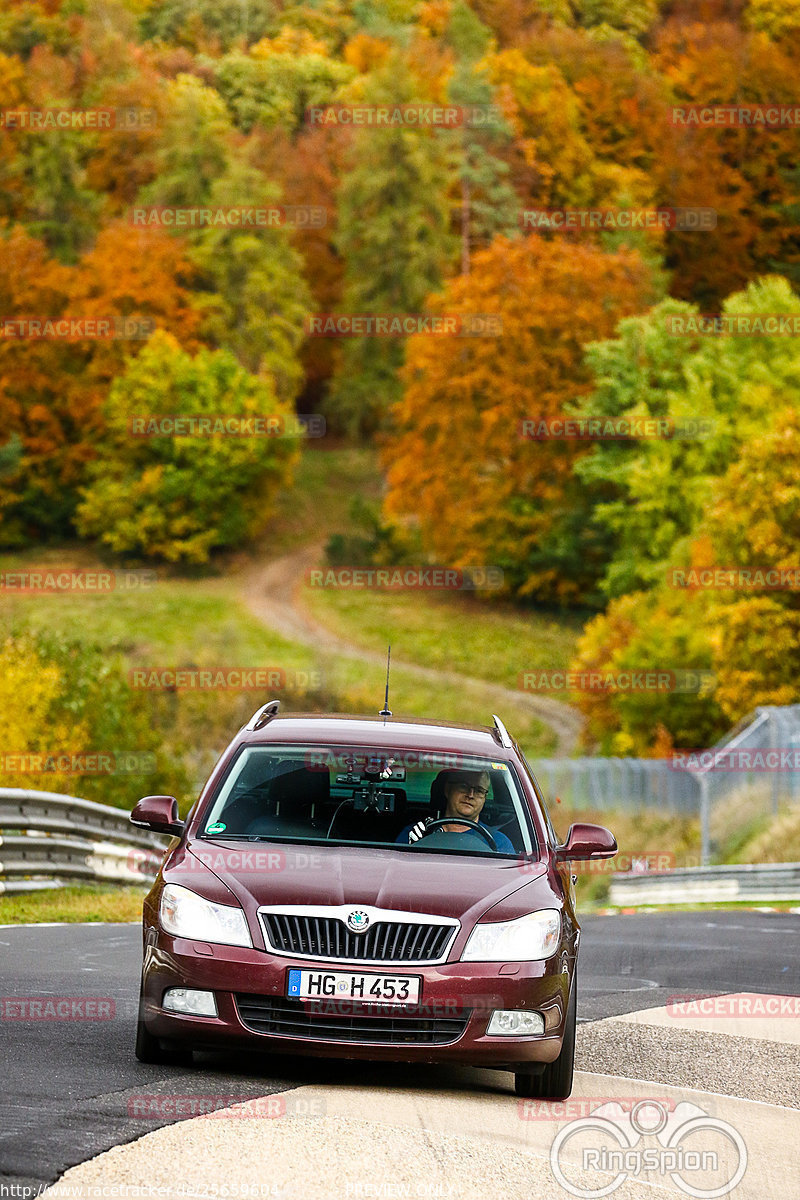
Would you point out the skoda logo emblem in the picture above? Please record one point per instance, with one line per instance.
(358, 920)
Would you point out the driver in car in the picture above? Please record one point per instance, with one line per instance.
(465, 794)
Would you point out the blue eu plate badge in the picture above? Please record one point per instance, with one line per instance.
(294, 983)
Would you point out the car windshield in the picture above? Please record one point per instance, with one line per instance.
(408, 800)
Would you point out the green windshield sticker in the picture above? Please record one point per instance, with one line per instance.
(217, 827)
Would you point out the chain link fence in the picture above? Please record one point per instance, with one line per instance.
(752, 771)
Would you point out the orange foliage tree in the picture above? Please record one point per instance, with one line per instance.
(52, 388)
(458, 463)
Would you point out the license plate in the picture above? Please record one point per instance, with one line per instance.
(346, 985)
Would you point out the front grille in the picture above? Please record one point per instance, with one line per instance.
(328, 937)
(289, 1018)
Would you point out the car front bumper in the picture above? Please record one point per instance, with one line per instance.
(464, 992)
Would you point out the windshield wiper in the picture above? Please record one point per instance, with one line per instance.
(241, 837)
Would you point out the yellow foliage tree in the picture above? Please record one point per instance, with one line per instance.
(29, 689)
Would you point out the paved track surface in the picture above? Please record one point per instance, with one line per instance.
(67, 1086)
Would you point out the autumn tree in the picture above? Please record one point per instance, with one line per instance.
(52, 388)
(754, 522)
(459, 464)
(279, 80)
(486, 203)
(666, 633)
(393, 234)
(177, 497)
(714, 394)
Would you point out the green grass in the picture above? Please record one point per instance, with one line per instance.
(83, 902)
(203, 623)
(179, 621)
(363, 687)
(318, 503)
(449, 632)
(649, 832)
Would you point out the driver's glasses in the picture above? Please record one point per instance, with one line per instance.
(479, 792)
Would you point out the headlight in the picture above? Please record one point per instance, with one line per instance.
(530, 937)
(185, 914)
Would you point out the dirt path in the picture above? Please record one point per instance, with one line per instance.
(273, 593)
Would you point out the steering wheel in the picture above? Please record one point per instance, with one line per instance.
(485, 833)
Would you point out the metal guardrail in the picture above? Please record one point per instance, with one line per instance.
(708, 885)
(48, 839)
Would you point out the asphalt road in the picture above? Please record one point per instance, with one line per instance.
(66, 1086)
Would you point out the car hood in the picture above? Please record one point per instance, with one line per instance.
(409, 881)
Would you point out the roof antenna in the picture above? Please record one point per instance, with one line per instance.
(386, 711)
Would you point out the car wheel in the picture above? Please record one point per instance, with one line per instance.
(555, 1081)
(149, 1049)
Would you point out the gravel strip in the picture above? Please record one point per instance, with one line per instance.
(712, 1062)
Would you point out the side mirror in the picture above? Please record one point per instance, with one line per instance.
(159, 813)
(587, 841)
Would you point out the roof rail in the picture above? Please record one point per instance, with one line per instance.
(263, 715)
(501, 733)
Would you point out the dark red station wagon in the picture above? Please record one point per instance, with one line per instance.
(362, 888)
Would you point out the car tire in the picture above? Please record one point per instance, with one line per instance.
(150, 1049)
(555, 1081)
